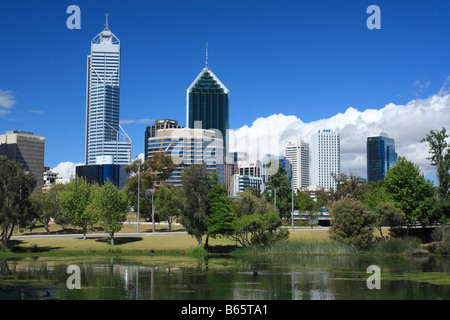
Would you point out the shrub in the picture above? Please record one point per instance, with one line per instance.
(351, 223)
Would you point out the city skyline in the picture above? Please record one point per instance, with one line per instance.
(372, 78)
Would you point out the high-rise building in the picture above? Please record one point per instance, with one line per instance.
(103, 131)
(150, 131)
(207, 101)
(188, 146)
(297, 152)
(325, 158)
(27, 149)
(381, 156)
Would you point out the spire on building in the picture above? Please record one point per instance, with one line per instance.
(207, 55)
(106, 22)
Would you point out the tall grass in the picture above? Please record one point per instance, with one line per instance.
(324, 247)
(303, 247)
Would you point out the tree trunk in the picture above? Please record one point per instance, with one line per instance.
(112, 238)
(200, 242)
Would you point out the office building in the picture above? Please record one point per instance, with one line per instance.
(381, 156)
(103, 171)
(207, 102)
(188, 146)
(104, 135)
(150, 131)
(27, 149)
(325, 158)
(250, 175)
(297, 153)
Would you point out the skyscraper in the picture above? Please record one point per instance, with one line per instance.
(103, 101)
(207, 100)
(381, 156)
(325, 158)
(150, 131)
(27, 149)
(297, 152)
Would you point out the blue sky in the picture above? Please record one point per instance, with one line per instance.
(310, 59)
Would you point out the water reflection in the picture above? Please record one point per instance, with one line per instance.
(225, 278)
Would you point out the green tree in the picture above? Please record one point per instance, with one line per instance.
(221, 214)
(258, 229)
(346, 186)
(74, 201)
(195, 214)
(306, 205)
(280, 182)
(154, 172)
(410, 191)
(249, 203)
(46, 204)
(109, 206)
(351, 223)
(15, 206)
(169, 203)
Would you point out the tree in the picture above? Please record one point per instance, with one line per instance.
(258, 229)
(74, 201)
(346, 186)
(249, 203)
(195, 214)
(305, 204)
(439, 149)
(387, 214)
(46, 205)
(280, 182)
(410, 190)
(15, 206)
(221, 214)
(109, 206)
(169, 203)
(351, 223)
(154, 172)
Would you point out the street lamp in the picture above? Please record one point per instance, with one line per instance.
(139, 192)
(152, 191)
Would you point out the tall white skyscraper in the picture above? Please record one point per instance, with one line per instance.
(297, 152)
(325, 158)
(103, 131)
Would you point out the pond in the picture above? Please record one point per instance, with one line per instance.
(264, 277)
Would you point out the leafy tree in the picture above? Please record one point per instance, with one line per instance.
(346, 186)
(439, 149)
(282, 185)
(195, 214)
(154, 172)
(109, 206)
(46, 204)
(387, 214)
(249, 203)
(15, 206)
(305, 204)
(221, 214)
(351, 223)
(74, 201)
(169, 203)
(410, 190)
(258, 229)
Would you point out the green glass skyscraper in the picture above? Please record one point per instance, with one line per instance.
(207, 103)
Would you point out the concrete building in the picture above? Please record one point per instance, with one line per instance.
(103, 130)
(325, 158)
(297, 153)
(27, 149)
(150, 131)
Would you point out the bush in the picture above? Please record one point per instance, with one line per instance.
(351, 223)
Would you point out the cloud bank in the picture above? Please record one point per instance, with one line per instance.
(407, 124)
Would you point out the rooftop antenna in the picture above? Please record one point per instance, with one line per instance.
(206, 55)
(106, 23)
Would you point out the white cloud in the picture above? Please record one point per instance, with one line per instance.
(66, 170)
(407, 124)
(6, 101)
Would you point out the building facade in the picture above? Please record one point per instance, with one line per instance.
(207, 104)
(150, 131)
(27, 149)
(103, 131)
(297, 153)
(325, 158)
(188, 146)
(381, 156)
